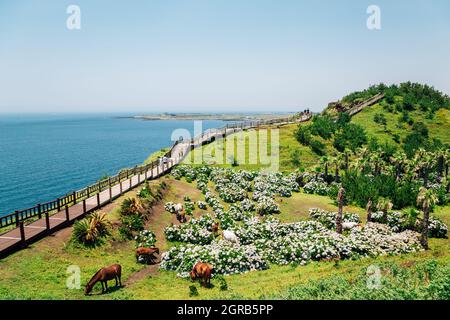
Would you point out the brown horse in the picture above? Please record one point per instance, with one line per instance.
(215, 228)
(104, 275)
(203, 272)
(147, 253)
(181, 216)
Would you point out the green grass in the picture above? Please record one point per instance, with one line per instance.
(287, 145)
(156, 155)
(41, 269)
(438, 126)
(39, 272)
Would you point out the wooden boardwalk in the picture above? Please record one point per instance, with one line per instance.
(24, 234)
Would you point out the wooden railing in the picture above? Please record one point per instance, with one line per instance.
(365, 104)
(72, 198)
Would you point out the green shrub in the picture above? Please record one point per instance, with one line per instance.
(193, 292)
(91, 230)
(323, 126)
(425, 281)
(223, 285)
(317, 147)
(352, 136)
(303, 135)
(131, 223)
(130, 206)
(295, 157)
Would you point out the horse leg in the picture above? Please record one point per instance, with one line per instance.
(103, 288)
(116, 280)
(106, 286)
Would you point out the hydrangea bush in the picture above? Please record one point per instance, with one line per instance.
(328, 219)
(145, 238)
(270, 241)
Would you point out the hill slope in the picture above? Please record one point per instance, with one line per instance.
(408, 117)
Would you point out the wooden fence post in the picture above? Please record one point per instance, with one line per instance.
(74, 197)
(67, 213)
(16, 213)
(139, 177)
(84, 205)
(47, 220)
(39, 210)
(110, 193)
(120, 185)
(98, 200)
(22, 232)
(131, 182)
(58, 205)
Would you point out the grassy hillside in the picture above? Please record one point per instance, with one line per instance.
(41, 269)
(438, 126)
(404, 108)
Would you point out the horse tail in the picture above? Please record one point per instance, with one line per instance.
(118, 270)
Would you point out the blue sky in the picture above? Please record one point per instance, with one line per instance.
(213, 55)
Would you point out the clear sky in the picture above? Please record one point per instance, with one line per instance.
(213, 55)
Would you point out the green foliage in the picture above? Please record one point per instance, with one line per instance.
(317, 147)
(90, 231)
(223, 285)
(413, 95)
(380, 118)
(295, 157)
(343, 119)
(323, 126)
(424, 281)
(417, 139)
(360, 187)
(193, 292)
(303, 135)
(130, 206)
(129, 224)
(352, 136)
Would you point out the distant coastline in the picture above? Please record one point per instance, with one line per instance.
(210, 116)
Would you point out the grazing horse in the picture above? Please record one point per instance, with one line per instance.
(215, 228)
(230, 236)
(147, 253)
(181, 216)
(350, 225)
(104, 275)
(203, 272)
(179, 210)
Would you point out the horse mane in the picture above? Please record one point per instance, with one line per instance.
(93, 277)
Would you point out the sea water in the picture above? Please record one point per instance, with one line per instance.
(46, 156)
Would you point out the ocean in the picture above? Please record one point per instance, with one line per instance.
(43, 157)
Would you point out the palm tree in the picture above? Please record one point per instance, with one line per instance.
(369, 210)
(340, 200)
(336, 162)
(399, 159)
(442, 163)
(376, 160)
(384, 204)
(426, 198)
(423, 162)
(325, 162)
(347, 153)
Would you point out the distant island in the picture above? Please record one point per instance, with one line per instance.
(212, 116)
